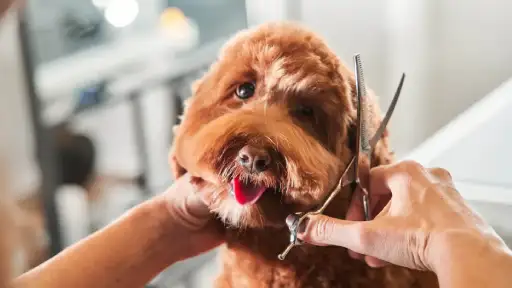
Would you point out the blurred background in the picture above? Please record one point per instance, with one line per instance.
(91, 89)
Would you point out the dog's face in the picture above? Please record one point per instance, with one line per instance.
(267, 127)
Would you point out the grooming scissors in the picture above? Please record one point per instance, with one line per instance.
(364, 145)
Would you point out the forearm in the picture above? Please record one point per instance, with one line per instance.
(480, 263)
(128, 253)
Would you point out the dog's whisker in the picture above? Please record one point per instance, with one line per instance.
(223, 153)
(262, 220)
(284, 139)
(274, 143)
(226, 172)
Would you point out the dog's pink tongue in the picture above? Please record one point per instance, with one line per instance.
(246, 193)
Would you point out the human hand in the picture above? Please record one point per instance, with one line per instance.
(191, 226)
(425, 218)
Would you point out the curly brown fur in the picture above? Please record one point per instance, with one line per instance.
(293, 70)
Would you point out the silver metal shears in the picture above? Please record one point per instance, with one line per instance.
(365, 144)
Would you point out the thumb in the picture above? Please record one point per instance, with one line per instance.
(362, 237)
(324, 230)
(193, 193)
(186, 205)
(196, 207)
(379, 238)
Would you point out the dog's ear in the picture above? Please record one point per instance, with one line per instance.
(195, 86)
(176, 169)
(382, 154)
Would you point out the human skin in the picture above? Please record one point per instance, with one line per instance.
(426, 225)
(171, 227)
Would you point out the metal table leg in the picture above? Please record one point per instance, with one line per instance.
(45, 149)
(140, 140)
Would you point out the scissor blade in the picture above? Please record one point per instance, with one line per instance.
(389, 113)
(359, 116)
(378, 134)
(363, 108)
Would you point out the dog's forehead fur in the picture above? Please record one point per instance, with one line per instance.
(285, 60)
(283, 56)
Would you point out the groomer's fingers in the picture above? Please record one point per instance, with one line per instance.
(355, 208)
(379, 197)
(391, 179)
(377, 239)
(375, 262)
(202, 190)
(355, 255)
(324, 230)
(442, 174)
(185, 205)
(355, 213)
(380, 194)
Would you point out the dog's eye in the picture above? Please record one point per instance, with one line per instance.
(304, 111)
(245, 90)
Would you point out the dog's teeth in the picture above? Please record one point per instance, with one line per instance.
(231, 191)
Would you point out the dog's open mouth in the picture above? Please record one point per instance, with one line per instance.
(246, 192)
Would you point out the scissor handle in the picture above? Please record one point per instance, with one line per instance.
(286, 251)
(299, 217)
(294, 231)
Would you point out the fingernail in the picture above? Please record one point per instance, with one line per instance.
(303, 225)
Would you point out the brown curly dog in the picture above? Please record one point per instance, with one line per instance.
(268, 129)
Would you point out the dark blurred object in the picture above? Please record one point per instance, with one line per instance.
(91, 96)
(76, 156)
(78, 27)
(141, 181)
(182, 90)
(60, 28)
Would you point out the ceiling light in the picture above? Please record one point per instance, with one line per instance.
(121, 13)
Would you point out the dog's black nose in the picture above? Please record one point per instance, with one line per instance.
(253, 159)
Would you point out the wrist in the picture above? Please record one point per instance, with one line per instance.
(461, 256)
(158, 214)
(450, 245)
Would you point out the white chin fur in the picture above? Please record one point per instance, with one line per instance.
(232, 213)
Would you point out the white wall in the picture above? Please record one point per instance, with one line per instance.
(472, 52)
(453, 52)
